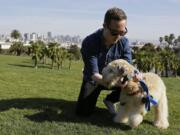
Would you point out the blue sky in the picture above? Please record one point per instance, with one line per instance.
(147, 19)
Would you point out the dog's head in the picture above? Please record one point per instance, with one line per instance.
(132, 88)
(116, 70)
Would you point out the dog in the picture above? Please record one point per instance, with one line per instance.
(133, 96)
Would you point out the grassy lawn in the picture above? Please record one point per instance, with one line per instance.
(42, 102)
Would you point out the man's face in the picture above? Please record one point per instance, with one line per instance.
(115, 30)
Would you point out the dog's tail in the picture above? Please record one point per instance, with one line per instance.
(161, 111)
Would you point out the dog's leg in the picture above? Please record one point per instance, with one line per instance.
(161, 113)
(135, 119)
(122, 115)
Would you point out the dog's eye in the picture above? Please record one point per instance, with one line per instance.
(110, 71)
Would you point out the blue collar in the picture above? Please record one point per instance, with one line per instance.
(148, 99)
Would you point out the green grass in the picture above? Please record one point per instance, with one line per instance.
(42, 102)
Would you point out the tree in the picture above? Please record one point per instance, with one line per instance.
(158, 66)
(171, 38)
(161, 40)
(166, 56)
(166, 38)
(16, 48)
(75, 50)
(70, 57)
(149, 47)
(175, 42)
(61, 56)
(36, 53)
(43, 51)
(175, 64)
(64, 55)
(15, 34)
(52, 54)
(178, 38)
(0, 48)
(139, 60)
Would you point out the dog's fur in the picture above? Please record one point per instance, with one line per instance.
(132, 109)
(115, 70)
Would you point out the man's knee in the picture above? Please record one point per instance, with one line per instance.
(87, 100)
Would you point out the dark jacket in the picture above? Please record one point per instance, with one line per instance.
(96, 56)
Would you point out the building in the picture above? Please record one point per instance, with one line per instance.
(49, 36)
(33, 37)
(26, 37)
(5, 45)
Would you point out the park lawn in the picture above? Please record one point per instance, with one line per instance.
(42, 102)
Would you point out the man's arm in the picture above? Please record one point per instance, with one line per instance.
(89, 56)
(127, 54)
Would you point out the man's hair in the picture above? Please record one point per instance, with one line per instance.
(114, 14)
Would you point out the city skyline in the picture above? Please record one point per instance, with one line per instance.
(147, 20)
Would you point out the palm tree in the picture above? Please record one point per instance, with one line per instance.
(44, 51)
(59, 57)
(160, 40)
(157, 61)
(178, 38)
(166, 56)
(36, 53)
(175, 63)
(159, 67)
(166, 38)
(149, 47)
(52, 48)
(139, 60)
(70, 57)
(135, 50)
(0, 48)
(15, 34)
(75, 50)
(17, 48)
(171, 38)
(148, 56)
(175, 41)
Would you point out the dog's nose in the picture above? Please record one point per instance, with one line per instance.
(144, 100)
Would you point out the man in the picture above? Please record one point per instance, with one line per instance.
(98, 49)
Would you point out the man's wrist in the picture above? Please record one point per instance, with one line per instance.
(97, 78)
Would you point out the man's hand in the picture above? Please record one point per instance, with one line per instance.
(99, 79)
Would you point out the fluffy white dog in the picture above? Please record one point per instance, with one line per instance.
(133, 99)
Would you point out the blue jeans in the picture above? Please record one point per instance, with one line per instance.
(86, 104)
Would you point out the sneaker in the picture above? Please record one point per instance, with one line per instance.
(110, 106)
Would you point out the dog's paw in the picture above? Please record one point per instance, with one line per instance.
(118, 119)
(135, 120)
(161, 125)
